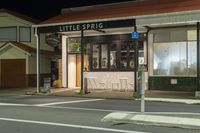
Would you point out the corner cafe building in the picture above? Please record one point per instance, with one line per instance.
(97, 44)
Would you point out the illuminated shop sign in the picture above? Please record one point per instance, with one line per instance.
(78, 27)
(88, 26)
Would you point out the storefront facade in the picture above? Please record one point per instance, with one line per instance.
(98, 45)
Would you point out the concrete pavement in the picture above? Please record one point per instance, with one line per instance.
(184, 97)
(158, 119)
(157, 96)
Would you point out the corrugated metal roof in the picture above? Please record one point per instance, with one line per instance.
(126, 9)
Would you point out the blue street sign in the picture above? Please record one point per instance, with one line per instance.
(135, 35)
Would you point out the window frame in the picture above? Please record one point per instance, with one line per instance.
(118, 57)
(187, 40)
(20, 33)
(15, 27)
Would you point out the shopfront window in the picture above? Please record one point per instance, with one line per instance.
(104, 56)
(116, 57)
(192, 58)
(74, 45)
(174, 56)
(124, 56)
(95, 56)
(108, 53)
(113, 56)
(169, 58)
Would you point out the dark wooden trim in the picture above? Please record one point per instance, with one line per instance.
(108, 52)
(90, 57)
(100, 55)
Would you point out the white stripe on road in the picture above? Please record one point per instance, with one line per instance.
(100, 110)
(70, 125)
(66, 102)
(12, 104)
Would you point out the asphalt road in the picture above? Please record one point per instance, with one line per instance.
(49, 114)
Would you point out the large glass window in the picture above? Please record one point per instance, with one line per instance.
(116, 56)
(169, 58)
(174, 55)
(192, 58)
(124, 56)
(95, 56)
(113, 56)
(104, 56)
(8, 34)
(74, 45)
(107, 53)
(24, 34)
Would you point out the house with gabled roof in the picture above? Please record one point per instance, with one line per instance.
(18, 51)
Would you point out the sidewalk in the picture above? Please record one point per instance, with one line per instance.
(157, 96)
(180, 120)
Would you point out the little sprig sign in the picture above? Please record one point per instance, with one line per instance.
(135, 35)
(87, 26)
(78, 27)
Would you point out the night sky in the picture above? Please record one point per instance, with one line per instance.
(44, 9)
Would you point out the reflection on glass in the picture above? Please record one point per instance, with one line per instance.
(170, 58)
(192, 58)
(104, 56)
(74, 45)
(95, 55)
(87, 57)
(113, 56)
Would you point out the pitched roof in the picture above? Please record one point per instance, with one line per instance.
(24, 17)
(29, 49)
(124, 9)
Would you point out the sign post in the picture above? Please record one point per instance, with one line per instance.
(139, 74)
(142, 70)
(135, 37)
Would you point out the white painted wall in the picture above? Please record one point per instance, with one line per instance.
(11, 52)
(64, 61)
(71, 71)
(45, 65)
(113, 77)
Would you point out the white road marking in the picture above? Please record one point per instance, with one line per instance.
(86, 109)
(186, 101)
(70, 125)
(100, 110)
(67, 102)
(12, 104)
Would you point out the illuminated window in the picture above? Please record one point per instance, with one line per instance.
(175, 54)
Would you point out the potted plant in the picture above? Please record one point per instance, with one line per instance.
(76, 46)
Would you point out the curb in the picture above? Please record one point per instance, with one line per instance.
(155, 120)
(171, 100)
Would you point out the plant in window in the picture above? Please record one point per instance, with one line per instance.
(76, 46)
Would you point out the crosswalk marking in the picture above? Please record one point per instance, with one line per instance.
(67, 102)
